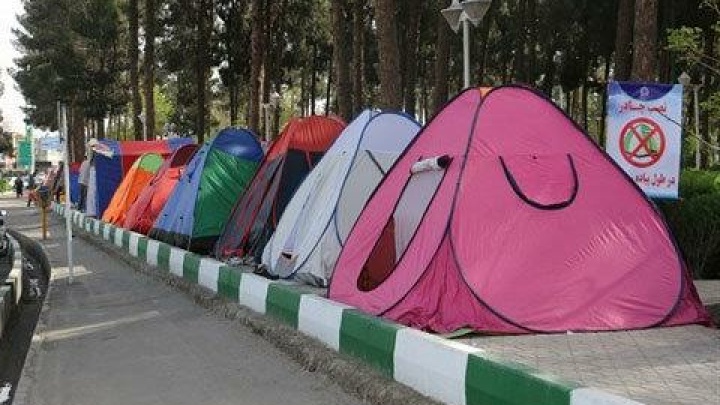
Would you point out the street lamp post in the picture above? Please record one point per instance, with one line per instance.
(142, 120)
(466, 12)
(269, 109)
(686, 81)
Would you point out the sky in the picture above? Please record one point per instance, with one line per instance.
(11, 100)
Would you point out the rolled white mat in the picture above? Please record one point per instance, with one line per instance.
(433, 163)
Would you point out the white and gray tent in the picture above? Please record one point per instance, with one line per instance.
(318, 219)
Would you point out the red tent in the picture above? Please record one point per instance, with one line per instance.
(142, 214)
(503, 216)
(301, 145)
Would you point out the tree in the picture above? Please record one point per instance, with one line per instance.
(698, 51)
(624, 39)
(205, 18)
(412, 9)
(358, 75)
(149, 68)
(341, 58)
(133, 51)
(71, 54)
(645, 40)
(442, 58)
(232, 51)
(389, 56)
(256, 61)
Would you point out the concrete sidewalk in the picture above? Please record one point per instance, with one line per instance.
(446, 370)
(117, 337)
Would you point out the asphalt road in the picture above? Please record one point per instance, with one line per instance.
(16, 340)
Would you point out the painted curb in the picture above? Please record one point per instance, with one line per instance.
(441, 369)
(11, 288)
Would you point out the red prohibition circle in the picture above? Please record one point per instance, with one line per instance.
(641, 153)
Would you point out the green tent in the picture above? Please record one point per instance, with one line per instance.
(200, 204)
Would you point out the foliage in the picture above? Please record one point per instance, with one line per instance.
(73, 54)
(699, 182)
(79, 51)
(688, 42)
(695, 221)
(698, 49)
(5, 143)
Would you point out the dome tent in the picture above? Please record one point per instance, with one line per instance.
(111, 161)
(317, 220)
(299, 148)
(136, 179)
(142, 214)
(201, 201)
(527, 227)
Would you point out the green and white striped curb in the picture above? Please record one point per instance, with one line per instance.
(444, 370)
(15, 277)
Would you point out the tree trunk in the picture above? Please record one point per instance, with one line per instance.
(442, 58)
(101, 128)
(234, 101)
(327, 89)
(149, 68)
(413, 12)
(256, 55)
(303, 92)
(265, 98)
(233, 20)
(204, 19)
(584, 106)
(706, 91)
(645, 40)
(519, 71)
(75, 132)
(531, 62)
(342, 57)
(133, 22)
(358, 92)
(624, 39)
(485, 27)
(388, 55)
(603, 99)
(313, 80)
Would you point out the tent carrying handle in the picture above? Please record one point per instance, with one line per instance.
(533, 203)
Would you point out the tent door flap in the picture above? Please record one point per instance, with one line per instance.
(542, 181)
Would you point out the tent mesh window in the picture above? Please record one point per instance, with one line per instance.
(400, 229)
(367, 172)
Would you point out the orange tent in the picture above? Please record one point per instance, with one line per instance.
(140, 174)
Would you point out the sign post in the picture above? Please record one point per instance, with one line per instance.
(644, 135)
(29, 138)
(62, 120)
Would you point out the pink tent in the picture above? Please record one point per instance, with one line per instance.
(503, 216)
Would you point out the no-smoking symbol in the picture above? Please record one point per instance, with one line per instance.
(642, 142)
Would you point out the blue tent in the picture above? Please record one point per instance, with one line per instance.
(113, 159)
(74, 183)
(200, 204)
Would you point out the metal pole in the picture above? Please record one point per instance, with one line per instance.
(144, 130)
(698, 154)
(43, 218)
(466, 51)
(68, 208)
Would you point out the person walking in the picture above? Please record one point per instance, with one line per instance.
(18, 187)
(32, 193)
(84, 175)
